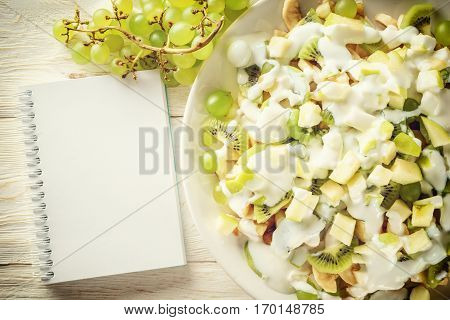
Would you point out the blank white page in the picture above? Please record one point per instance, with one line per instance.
(105, 217)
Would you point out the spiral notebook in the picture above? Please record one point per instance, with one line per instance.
(105, 178)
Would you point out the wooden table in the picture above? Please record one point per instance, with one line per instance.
(30, 55)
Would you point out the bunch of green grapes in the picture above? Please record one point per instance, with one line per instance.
(176, 24)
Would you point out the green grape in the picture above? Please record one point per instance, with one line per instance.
(118, 67)
(218, 195)
(184, 61)
(81, 53)
(128, 51)
(59, 29)
(191, 18)
(169, 80)
(346, 8)
(158, 38)
(148, 63)
(152, 11)
(186, 77)
(181, 34)
(214, 16)
(171, 16)
(236, 4)
(126, 6)
(208, 162)
(219, 103)
(102, 17)
(115, 23)
(442, 32)
(204, 52)
(233, 14)
(114, 42)
(100, 53)
(139, 25)
(216, 5)
(181, 3)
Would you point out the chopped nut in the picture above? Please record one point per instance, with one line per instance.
(348, 276)
(385, 20)
(291, 13)
(360, 230)
(326, 281)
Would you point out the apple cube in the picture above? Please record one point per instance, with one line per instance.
(302, 169)
(380, 176)
(438, 135)
(333, 192)
(399, 211)
(310, 115)
(405, 172)
(278, 47)
(302, 205)
(343, 228)
(388, 152)
(378, 56)
(417, 242)
(422, 215)
(405, 144)
(333, 91)
(356, 186)
(436, 201)
(423, 43)
(430, 104)
(388, 238)
(366, 143)
(429, 80)
(346, 168)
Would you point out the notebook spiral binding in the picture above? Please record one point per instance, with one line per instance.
(38, 206)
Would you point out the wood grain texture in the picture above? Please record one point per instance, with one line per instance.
(30, 55)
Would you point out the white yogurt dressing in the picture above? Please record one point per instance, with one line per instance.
(382, 271)
(274, 269)
(358, 108)
(290, 234)
(274, 173)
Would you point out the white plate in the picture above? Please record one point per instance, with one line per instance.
(217, 72)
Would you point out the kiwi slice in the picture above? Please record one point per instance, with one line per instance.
(397, 129)
(327, 117)
(234, 137)
(419, 16)
(250, 261)
(263, 212)
(267, 66)
(315, 186)
(434, 273)
(410, 192)
(373, 47)
(447, 188)
(302, 295)
(311, 16)
(445, 75)
(253, 72)
(390, 193)
(410, 104)
(332, 260)
(310, 50)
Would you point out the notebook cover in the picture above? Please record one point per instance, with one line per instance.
(109, 178)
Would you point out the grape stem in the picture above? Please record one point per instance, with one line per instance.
(119, 15)
(163, 50)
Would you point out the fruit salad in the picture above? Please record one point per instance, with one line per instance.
(333, 155)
